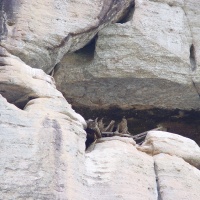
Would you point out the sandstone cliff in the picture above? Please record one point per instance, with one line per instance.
(151, 59)
(41, 32)
(130, 54)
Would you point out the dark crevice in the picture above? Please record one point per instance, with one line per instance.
(109, 9)
(54, 70)
(192, 58)
(57, 66)
(89, 49)
(195, 87)
(7, 15)
(18, 104)
(185, 123)
(51, 73)
(90, 138)
(81, 56)
(157, 182)
(22, 104)
(3, 29)
(128, 15)
(15, 95)
(171, 4)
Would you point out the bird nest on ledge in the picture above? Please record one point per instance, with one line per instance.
(97, 129)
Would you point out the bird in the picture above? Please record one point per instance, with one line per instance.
(101, 125)
(122, 126)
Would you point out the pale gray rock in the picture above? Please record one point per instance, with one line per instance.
(42, 145)
(41, 32)
(157, 142)
(149, 61)
(117, 170)
(193, 14)
(176, 179)
(42, 152)
(122, 139)
(19, 83)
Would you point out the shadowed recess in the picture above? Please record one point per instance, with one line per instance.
(129, 15)
(192, 58)
(89, 49)
(185, 123)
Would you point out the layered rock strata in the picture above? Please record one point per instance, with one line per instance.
(117, 169)
(176, 179)
(43, 149)
(41, 32)
(42, 152)
(157, 142)
(43, 144)
(43, 157)
(151, 60)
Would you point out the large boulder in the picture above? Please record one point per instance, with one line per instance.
(19, 83)
(42, 143)
(41, 32)
(176, 179)
(41, 152)
(157, 142)
(117, 170)
(151, 60)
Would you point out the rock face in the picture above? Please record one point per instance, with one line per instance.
(36, 141)
(41, 32)
(42, 139)
(116, 170)
(20, 83)
(41, 152)
(43, 157)
(176, 178)
(151, 60)
(163, 142)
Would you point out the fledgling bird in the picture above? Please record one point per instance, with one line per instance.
(93, 124)
(96, 128)
(122, 126)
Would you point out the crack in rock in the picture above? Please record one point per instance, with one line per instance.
(196, 88)
(157, 182)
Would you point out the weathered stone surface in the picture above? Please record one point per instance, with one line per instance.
(176, 179)
(41, 32)
(116, 170)
(122, 139)
(157, 142)
(149, 61)
(42, 141)
(42, 146)
(43, 157)
(193, 14)
(41, 153)
(19, 83)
